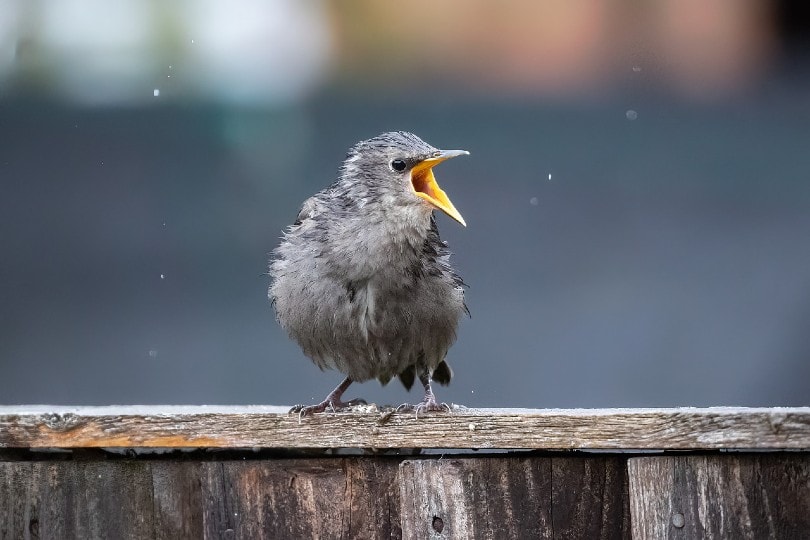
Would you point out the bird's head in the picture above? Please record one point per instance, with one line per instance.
(397, 168)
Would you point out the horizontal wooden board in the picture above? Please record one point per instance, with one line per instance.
(367, 427)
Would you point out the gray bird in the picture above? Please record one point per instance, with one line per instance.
(362, 280)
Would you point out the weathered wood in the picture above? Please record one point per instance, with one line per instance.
(298, 498)
(724, 495)
(272, 427)
(590, 498)
(100, 499)
(448, 499)
(720, 496)
(76, 500)
(19, 502)
(514, 498)
(358, 497)
(337, 498)
(178, 499)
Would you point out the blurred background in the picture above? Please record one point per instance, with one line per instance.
(637, 194)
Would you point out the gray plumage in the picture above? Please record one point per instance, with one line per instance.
(362, 280)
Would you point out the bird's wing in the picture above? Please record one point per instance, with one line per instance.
(438, 251)
(311, 208)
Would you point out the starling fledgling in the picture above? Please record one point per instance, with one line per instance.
(362, 280)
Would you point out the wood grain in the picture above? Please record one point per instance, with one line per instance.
(514, 498)
(301, 499)
(724, 495)
(450, 499)
(356, 497)
(318, 498)
(720, 496)
(177, 504)
(57, 500)
(590, 498)
(272, 427)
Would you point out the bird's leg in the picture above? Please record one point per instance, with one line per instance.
(429, 402)
(332, 401)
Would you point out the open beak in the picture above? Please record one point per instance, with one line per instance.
(425, 186)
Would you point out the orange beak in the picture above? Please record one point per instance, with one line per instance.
(425, 185)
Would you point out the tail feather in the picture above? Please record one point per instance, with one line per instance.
(443, 373)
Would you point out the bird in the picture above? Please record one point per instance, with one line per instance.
(362, 280)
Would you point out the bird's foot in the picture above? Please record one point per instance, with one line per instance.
(331, 402)
(334, 405)
(429, 404)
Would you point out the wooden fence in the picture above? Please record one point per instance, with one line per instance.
(258, 472)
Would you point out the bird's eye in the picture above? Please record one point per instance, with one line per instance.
(398, 165)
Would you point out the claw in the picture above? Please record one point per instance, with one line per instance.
(332, 402)
(429, 402)
(427, 405)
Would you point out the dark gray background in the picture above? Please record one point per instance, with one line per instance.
(144, 181)
(666, 262)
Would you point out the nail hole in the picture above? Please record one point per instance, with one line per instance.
(678, 521)
(438, 524)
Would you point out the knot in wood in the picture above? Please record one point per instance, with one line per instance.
(776, 420)
(61, 422)
(438, 524)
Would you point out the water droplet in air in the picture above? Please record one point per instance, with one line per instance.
(156, 92)
(549, 176)
(162, 276)
(533, 201)
(631, 114)
(152, 353)
(637, 69)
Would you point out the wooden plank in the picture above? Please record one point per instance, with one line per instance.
(590, 498)
(272, 427)
(318, 498)
(720, 496)
(726, 495)
(321, 498)
(58, 500)
(19, 502)
(514, 498)
(100, 499)
(178, 499)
